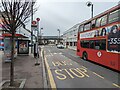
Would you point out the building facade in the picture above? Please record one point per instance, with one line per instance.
(70, 37)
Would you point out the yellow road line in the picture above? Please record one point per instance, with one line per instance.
(52, 82)
(84, 67)
(98, 75)
(116, 85)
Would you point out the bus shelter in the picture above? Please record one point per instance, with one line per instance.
(8, 45)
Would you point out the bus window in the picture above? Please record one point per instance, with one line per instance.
(97, 44)
(98, 22)
(85, 44)
(92, 44)
(87, 26)
(103, 45)
(93, 24)
(113, 16)
(104, 20)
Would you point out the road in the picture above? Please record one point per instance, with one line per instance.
(66, 70)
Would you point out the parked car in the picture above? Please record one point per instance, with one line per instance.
(60, 46)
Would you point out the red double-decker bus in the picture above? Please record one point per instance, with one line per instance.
(99, 39)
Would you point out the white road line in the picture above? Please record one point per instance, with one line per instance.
(73, 55)
(98, 75)
(84, 67)
(54, 53)
(60, 53)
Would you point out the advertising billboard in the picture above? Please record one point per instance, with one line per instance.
(23, 46)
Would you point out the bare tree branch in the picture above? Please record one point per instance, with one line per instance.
(14, 14)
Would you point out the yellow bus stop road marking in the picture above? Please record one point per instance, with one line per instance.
(116, 85)
(52, 82)
(98, 75)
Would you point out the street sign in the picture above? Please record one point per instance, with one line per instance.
(38, 19)
(34, 24)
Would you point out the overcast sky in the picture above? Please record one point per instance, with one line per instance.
(56, 14)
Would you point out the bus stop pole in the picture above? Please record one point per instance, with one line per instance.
(37, 63)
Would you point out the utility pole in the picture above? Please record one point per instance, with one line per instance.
(41, 35)
(37, 63)
(31, 28)
(90, 4)
(59, 35)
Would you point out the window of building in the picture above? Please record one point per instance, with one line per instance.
(104, 20)
(87, 26)
(114, 16)
(70, 43)
(75, 43)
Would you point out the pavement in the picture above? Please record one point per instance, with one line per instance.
(25, 68)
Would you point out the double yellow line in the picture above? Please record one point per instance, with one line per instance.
(52, 82)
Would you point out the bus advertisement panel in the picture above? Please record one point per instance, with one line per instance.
(114, 39)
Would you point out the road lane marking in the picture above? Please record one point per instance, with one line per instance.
(69, 73)
(73, 55)
(83, 71)
(49, 50)
(52, 82)
(63, 77)
(116, 85)
(54, 53)
(61, 63)
(63, 74)
(80, 76)
(84, 67)
(60, 53)
(98, 75)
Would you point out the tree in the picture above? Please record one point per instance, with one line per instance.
(15, 13)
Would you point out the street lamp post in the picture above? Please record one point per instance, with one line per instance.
(90, 4)
(31, 28)
(59, 35)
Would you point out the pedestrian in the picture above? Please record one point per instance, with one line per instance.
(35, 51)
(38, 52)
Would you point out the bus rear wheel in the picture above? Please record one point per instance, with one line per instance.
(85, 56)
